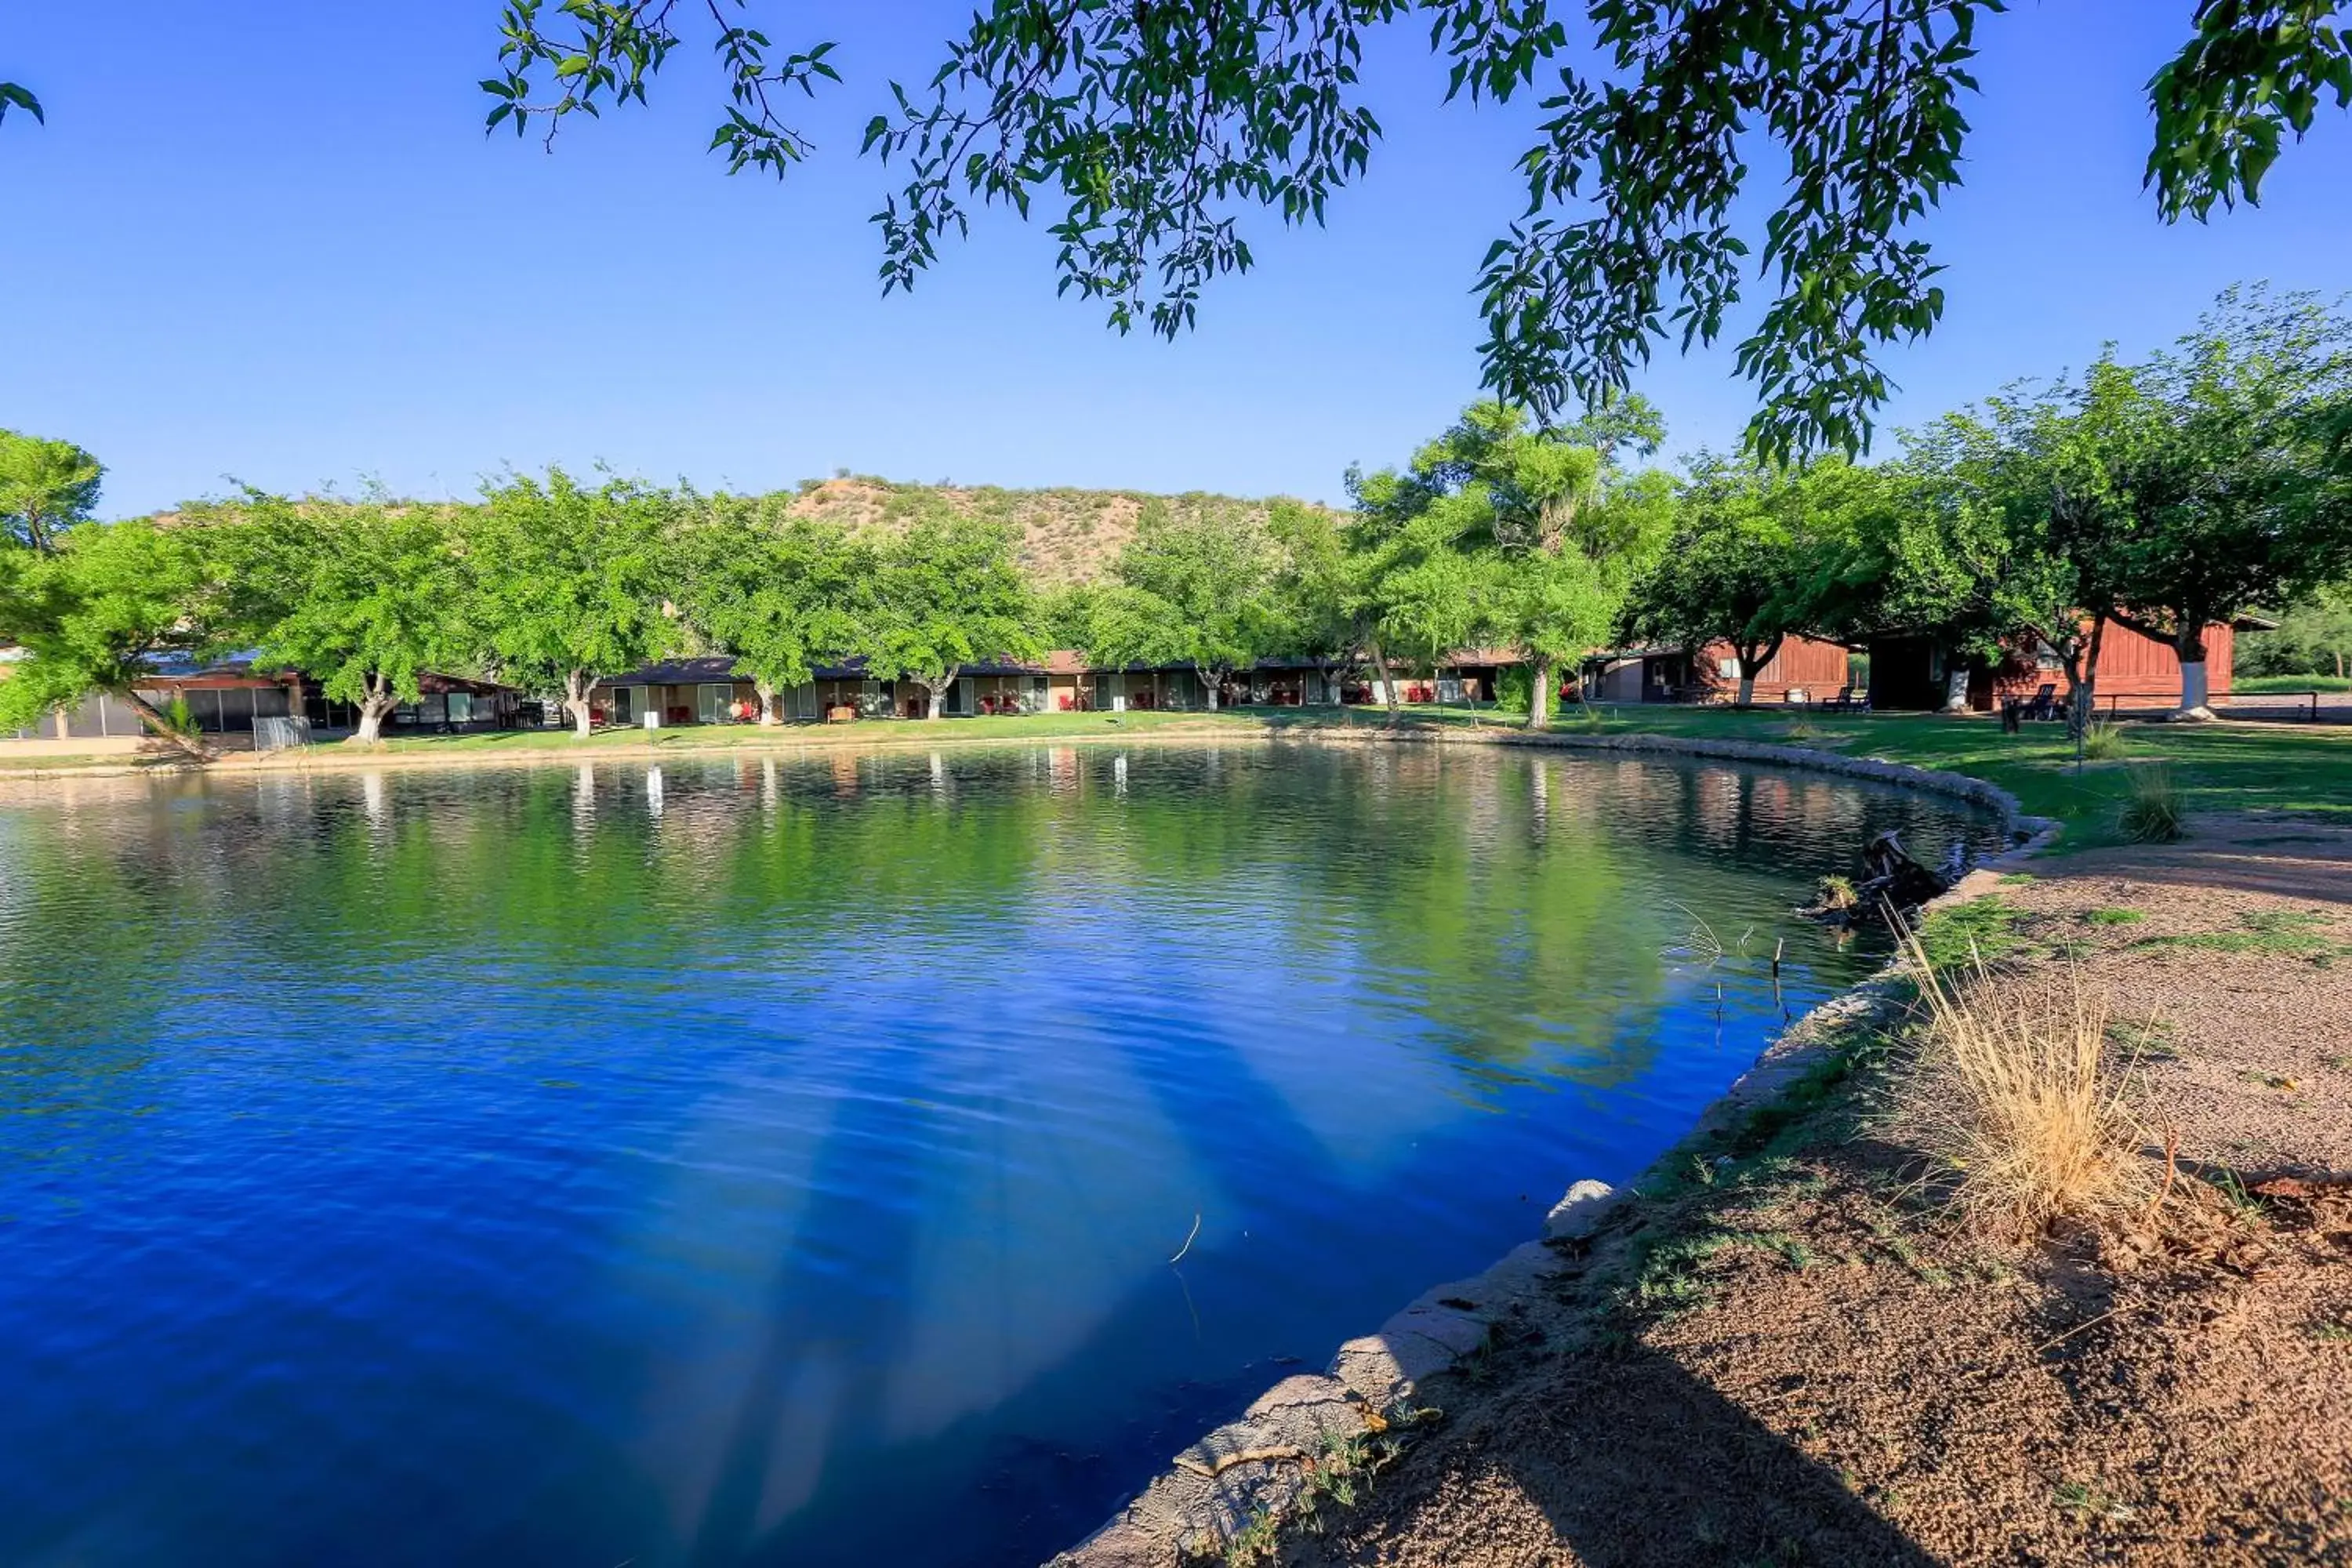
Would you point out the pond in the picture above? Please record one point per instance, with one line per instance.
(767, 1161)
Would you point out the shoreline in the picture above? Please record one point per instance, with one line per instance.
(1190, 1508)
(338, 757)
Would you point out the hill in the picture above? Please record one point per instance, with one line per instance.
(1066, 535)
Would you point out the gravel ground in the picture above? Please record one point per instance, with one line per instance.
(1805, 1363)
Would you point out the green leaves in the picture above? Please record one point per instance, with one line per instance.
(1198, 589)
(614, 49)
(2256, 70)
(89, 613)
(14, 97)
(782, 594)
(945, 593)
(572, 579)
(45, 488)
(365, 597)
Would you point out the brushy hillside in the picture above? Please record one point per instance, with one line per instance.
(1066, 535)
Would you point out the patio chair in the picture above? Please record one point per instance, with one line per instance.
(2044, 702)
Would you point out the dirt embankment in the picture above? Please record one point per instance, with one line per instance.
(1788, 1352)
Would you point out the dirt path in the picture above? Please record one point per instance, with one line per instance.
(1785, 1355)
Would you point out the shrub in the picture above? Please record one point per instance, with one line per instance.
(2015, 1100)
(1835, 892)
(2104, 742)
(1513, 689)
(2152, 810)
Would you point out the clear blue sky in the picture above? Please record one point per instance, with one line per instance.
(267, 240)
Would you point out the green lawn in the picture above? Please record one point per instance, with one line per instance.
(2255, 685)
(2220, 767)
(863, 732)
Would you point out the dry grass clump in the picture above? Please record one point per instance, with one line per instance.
(2016, 1098)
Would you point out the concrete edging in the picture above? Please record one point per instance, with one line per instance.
(1257, 1466)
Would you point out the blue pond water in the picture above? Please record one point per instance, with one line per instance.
(778, 1162)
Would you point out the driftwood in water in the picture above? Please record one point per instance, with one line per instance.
(1890, 879)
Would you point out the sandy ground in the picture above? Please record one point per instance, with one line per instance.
(1805, 1361)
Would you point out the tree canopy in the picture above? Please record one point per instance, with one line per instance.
(1192, 591)
(779, 593)
(1753, 559)
(366, 597)
(572, 581)
(93, 613)
(1153, 130)
(45, 488)
(945, 594)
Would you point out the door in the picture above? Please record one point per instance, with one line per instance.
(712, 702)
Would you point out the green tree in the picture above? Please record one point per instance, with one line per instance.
(1313, 586)
(363, 597)
(2313, 636)
(1570, 532)
(1963, 544)
(1752, 562)
(1196, 591)
(93, 613)
(779, 593)
(571, 582)
(2232, 470)
(946, 593)
(46, 487)
(1157, 128)
(1420, 579)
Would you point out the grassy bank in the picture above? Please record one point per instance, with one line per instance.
(2216, 767)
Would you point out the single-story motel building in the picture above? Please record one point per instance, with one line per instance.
(708, 690)
(1909, 673)
(231, 698)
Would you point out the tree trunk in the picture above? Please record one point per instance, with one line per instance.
(1540, 695)
(193, 747)
(767, 695)
(935, 697)
(2083, 681)
(372, 716)
(2189, 644)
(1208, 685)
(1387, 682)
(577, 684)
(1753, 662)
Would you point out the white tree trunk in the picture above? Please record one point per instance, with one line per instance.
(372, 716)
(1747, 689)
(939, 699)
(576, 684)
(1540, 695)
(2194, 690)
(1955, 690)
(767, 695)
(1209, 685)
